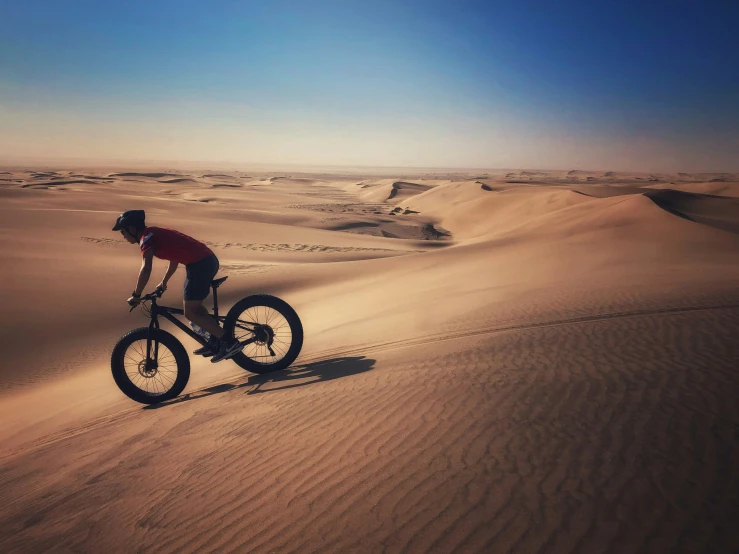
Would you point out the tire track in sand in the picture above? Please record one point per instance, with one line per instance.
(370, 348)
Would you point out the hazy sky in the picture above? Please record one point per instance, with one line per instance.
(628, 84)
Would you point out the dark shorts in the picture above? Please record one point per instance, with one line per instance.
(199, 277)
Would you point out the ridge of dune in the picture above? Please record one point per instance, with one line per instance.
(152, 175)
(718, 188)
(631, 219)
(469, 211)
(397, 191)
(58, 183)
(581, 172)
(84, 176)
(404, 188)
(295, 180)
(713, 211)
(180, 180)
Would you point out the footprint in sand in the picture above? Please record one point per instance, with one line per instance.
(295, 247)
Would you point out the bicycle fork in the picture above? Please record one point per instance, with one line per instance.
(152, 356)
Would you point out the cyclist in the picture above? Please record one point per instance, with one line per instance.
(200, 264)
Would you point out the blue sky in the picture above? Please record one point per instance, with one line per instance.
(633, 84)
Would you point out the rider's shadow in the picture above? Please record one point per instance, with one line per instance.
(307, 374)
(297, 376)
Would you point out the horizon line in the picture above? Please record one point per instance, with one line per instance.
(41, 161)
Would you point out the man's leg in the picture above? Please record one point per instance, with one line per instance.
(196, 312)
(197, 287)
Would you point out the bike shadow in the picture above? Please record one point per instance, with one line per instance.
(296, 376)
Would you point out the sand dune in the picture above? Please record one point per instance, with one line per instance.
(555, 374)
(152, 175)
(179, 180)
(715, 211)
(469, 211)
(295, 180)
(401, 189)
(58, 183)
(720, 188)
(396, 191)
(93, 177)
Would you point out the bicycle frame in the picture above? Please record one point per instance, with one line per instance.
(169, 314)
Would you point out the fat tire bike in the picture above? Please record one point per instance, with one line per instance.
(151, 365)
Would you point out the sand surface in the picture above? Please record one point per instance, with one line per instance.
(520, 361)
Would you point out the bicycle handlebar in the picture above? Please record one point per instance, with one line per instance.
(157, 293)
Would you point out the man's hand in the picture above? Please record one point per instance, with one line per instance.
(134, 301)
(162, 286)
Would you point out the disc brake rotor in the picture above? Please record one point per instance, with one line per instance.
(148, 370)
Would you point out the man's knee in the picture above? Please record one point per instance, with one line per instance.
(192, 309)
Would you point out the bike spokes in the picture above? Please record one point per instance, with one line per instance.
(266, 333)
(154, 374)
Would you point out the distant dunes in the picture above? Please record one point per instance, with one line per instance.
(151, 175)
(57, 183)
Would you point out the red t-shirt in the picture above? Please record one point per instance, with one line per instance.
(173, 246)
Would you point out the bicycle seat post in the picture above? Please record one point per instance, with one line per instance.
(215, 284)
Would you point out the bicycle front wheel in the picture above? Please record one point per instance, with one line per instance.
(160, 376)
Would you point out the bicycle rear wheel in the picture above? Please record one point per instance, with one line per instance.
(163, 377)
(274, 329)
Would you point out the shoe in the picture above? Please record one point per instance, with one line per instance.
(205, 352)
(208, 350)
(228, 348)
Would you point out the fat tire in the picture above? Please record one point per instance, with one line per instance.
(296, 327)
(125, 384)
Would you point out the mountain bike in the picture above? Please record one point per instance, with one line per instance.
(150, 365)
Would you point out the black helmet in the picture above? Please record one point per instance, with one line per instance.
(131, 218)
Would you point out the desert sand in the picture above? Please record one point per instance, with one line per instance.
(511, 361)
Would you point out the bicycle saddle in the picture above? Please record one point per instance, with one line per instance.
(218, 282)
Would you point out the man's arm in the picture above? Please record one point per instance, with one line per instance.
(170, 271)
(144, 272)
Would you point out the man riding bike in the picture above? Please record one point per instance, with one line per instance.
(201, 265)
